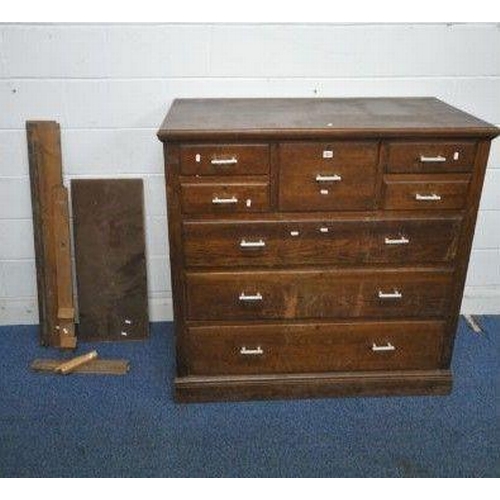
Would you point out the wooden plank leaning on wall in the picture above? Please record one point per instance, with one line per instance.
(51, 233)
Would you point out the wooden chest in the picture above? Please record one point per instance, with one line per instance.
(319, 247)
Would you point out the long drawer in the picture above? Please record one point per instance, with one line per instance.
(402, 240)
(312, 347)
(295, 294)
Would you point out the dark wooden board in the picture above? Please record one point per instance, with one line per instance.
(51, 233)
(94, 367)
(110, 259)
(233, 119)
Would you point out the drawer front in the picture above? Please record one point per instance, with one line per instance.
(322, 242)
(298, 294)
(224, 159)
(224, 197)
(313, 347)
(429, 192)
(431, 156)
(327, 176)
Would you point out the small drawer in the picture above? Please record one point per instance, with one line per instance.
(431, 156)
(301, 294)
(268, 243)
(224, 159)
(327, 176)
(313, 347)
(425, 192)
(224, 197)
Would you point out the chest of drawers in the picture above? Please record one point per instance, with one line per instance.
(319, 247)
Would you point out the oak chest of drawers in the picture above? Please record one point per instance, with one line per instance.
(319, 247)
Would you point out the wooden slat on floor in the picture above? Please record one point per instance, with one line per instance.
(110, 259)
(96, 366)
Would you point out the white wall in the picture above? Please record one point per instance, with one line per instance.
(110, 86)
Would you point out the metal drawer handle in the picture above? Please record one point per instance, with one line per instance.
(427, 197)
(402, 240)
(387, 347)
(224, 161)
(328, 178)
(250, 298)
(432, 159)
(396, 294)
(221, 201)
(252, 352)
(252, 244)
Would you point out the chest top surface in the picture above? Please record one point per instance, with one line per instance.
(198, 119)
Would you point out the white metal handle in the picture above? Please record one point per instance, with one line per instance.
(250, 298)
(258, 351)
(252, 244)
(224, 161)
(328, 178)
(432, 159)
(224, 201)
(402, 240)
(396, 294)
(387, 347)
(427, 197)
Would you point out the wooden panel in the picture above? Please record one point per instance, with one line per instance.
(312, 385)
(320, 241)
(431, 156)
(50, 227)
(224, 159)
(225, 197)
(327, 176)
(110, 258)
(226, 119)
(64, 275)
(425, 192)
(317, 294)
(313, 347)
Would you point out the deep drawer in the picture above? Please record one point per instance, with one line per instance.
(224, 159)
(321, 241)
(327, 176)
(295, 294)
(431, 156)
(425, 192)
(312, 347)
(224, 197)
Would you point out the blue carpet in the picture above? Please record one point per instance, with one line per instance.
(129, 426)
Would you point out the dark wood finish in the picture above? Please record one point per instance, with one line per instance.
(449, 190)
(224, 159)
(320, 310)
(302, 165)
(201, 196)
(110, 259)
(304, 347)
(326, 241)
(260, 119)
(418, 156)
(50, 228)
(95, 367)
(198, 389)
(294, 294)
(466, 237)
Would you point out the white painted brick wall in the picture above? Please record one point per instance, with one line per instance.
(110, 86)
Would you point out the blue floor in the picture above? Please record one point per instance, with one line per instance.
(129, 426)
